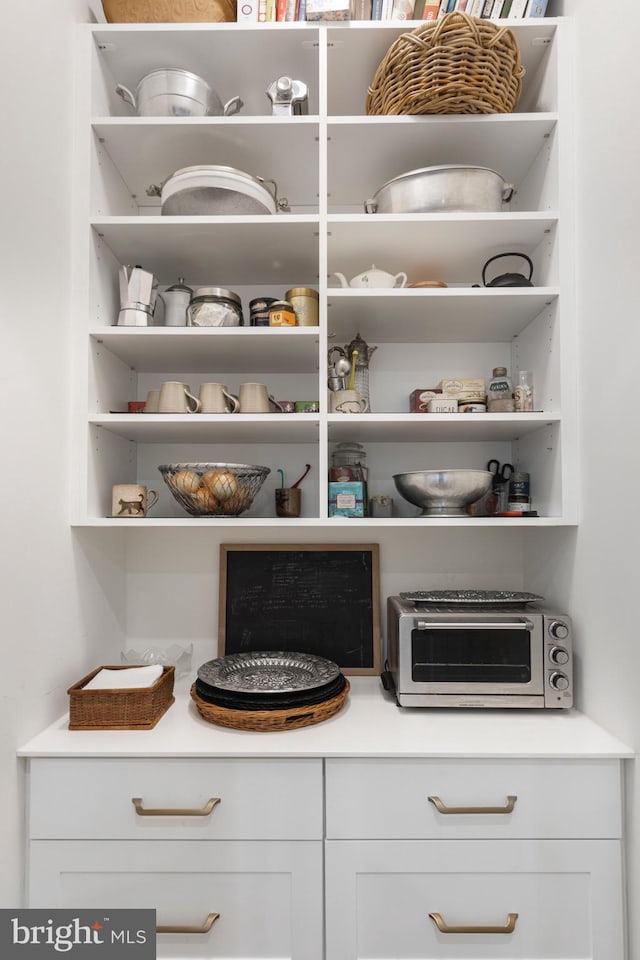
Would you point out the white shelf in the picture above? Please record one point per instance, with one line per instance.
(436, 315)
(327, 163)
(199, 350)
(436, 427)
(268, 249)
(267, 428)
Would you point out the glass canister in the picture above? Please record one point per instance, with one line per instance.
(348, 459)
(214, 307)
(282, 314)
(363, 353)
(305, 301)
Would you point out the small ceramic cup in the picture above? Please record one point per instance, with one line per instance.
(255, 398)
(132, 500)
(177, 398)
(215, 398)
(288, 501)
(347, 401)
(151, 404)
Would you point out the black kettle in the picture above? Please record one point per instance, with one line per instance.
(508, 279)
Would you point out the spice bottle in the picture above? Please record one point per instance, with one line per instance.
(500, 392)
(523, 393)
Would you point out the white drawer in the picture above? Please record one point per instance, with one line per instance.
(253, 799)
(390, 799)
(567, 896)
(268, 896)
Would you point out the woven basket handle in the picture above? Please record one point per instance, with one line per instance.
(444, 22)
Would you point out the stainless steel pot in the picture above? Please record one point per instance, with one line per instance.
(216, 190)
(443, 189)
(171, 92)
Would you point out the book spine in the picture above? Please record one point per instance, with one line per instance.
(361, 10)
(301, 13)
(281, 10)
(497, 10)
(518, 8)
(442, 8)
(476, 9)
(461, 6)
(536, 8)
(376, 10)
(426, 11)
(487, 9)
(506, 8)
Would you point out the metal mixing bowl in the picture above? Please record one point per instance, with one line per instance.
(443, 493)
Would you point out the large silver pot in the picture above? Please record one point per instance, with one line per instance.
(443, 189)
(211, 190)
(171, 92)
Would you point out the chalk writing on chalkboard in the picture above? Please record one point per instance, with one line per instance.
(322, 599)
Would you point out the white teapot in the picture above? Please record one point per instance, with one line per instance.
(373, 278)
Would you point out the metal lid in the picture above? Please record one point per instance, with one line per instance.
(441, 168)
(216, 293)
(180, 285)
(302, 292)
(499, 372)
(280, 305)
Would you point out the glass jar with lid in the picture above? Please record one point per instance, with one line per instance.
(215, 307)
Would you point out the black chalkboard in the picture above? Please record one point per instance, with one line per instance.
(322, 599)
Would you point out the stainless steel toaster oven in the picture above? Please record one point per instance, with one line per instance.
(457, 655)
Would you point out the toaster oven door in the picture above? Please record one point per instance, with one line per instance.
(476, 656)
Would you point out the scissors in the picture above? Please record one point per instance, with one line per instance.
(501, 474)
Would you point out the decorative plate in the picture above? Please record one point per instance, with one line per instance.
(514, 597)
(268, 672)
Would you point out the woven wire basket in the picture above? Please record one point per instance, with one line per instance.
(457, 64)
(214, 489)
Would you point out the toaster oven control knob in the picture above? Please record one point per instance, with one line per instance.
(558, 655)
(558, 630)
(558, 681)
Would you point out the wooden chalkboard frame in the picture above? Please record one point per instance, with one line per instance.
(372, 552)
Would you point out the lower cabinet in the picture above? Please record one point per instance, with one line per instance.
(539, 900)
(213, 899)
(339, 859)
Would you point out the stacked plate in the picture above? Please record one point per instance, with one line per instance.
(269, 690)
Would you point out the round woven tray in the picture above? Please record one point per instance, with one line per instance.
(457, 64)
(270, 719)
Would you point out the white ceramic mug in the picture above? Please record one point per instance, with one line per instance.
(347, 401)
(255, 398)
(215, 398)
(152, 401)
(176, 398)
(132, 500)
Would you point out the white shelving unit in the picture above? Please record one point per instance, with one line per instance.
(326, 163)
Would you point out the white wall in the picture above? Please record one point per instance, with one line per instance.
(57, 589)
(595, 569)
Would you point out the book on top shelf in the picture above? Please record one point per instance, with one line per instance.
(518, 8)
(536, 8)
(426, 10)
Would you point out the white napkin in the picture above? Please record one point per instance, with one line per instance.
(128, 678)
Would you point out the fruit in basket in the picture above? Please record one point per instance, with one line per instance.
(205, 500)
(222, 484)
(238, 503)
(186, 481)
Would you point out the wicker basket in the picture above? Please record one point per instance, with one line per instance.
(169, 11)
(135, 708)
(269, 720)
(457, 64)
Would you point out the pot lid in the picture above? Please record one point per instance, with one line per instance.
(176, 70)
(442, 168)
(218, 177)
(218, 293)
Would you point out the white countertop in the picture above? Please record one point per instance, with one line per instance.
(370, 725)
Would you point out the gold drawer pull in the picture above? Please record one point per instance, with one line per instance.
(443, 808)
(173, 812)
(443, 927)
(206, 926)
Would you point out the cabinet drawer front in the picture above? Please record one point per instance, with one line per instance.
(268, 896)
(252, 799)
(567, 896)
(388, 799)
